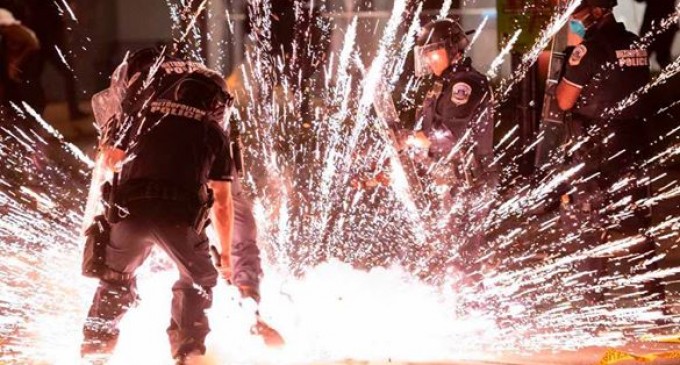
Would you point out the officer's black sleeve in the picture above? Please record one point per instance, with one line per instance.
(125, 138)
(119, 134)
(472, 97)
(221, 166)
(483, 130)
(482, 119)
(475, 110)
(581, 66)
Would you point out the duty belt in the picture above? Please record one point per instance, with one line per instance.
(153, 190)
(117, 277)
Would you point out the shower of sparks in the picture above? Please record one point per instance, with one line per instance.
(558, 21)
(498, 61)
(444, 11)
(192, 22)
(477, 33)
(63, 58)
(668, 72)
(351, 272)
(69, 10)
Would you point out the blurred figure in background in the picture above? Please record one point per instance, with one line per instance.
(18, 48)
(49, 21)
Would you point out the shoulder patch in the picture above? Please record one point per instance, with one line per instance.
(577, 55)
(460, 93)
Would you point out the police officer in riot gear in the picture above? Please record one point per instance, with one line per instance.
(602, 71)
(167, 143)
(455, 124)
(458, 107)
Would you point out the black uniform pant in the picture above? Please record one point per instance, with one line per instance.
(166, 224)
(593, 215)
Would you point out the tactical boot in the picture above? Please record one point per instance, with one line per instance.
(191, 358)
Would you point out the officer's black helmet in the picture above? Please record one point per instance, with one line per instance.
(202, 91)
(142, 60)
(442, 33)
(607, 4)
(601, 3)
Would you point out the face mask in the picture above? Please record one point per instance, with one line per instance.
(577, 27)
(581, 26)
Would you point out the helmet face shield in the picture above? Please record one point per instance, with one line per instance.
(107, 103)
(420, 54)
(227, 107)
